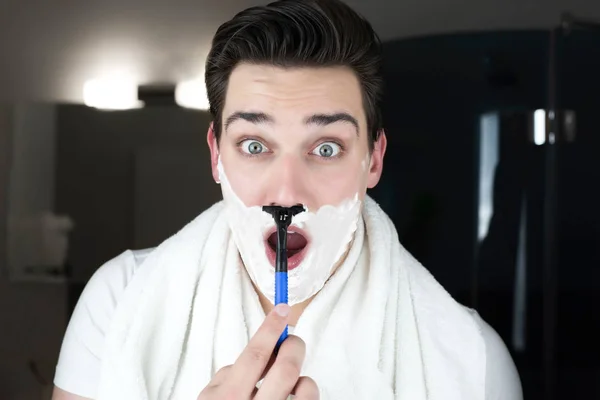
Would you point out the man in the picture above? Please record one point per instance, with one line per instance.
(295, 90)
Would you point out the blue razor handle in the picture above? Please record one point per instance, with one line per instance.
(281, 296)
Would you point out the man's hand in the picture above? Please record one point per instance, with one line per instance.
(281, 371)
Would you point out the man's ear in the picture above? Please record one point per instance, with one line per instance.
(213, 145)
(376, 165)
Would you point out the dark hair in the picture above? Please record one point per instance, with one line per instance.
(298, 33)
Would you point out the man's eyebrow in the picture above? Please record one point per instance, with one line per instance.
(252, 117)
(327, 119)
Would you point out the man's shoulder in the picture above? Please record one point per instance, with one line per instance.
(111, 279)
(502, 379)
(124, 265)
(494, 345)
(78, 367)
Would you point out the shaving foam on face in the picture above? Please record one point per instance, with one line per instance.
(331, 230)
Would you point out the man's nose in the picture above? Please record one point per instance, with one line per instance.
(288, 182)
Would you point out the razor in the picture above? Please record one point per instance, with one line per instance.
(283, 219)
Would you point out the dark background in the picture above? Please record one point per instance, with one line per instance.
(437, 89)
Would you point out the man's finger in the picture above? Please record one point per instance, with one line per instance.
(268, 366)
(283, 375)
(306, 389)
(249, 366)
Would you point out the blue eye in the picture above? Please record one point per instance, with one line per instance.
(327, 150)
(253, 147)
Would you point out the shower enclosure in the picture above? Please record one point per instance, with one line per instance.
(492, 181)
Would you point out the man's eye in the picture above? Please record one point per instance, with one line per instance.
(327, 150)
(253, 147)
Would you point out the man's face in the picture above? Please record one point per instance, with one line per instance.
(294, 136)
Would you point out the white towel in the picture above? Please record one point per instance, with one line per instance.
(381, 328)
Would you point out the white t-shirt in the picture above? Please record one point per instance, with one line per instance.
(78, 368)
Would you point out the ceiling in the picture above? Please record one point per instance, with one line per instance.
(49, 49)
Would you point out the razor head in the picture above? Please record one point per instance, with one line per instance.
(283, 215)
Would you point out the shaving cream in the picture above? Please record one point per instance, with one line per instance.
(331, 230)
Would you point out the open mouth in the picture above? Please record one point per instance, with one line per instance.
(297, 243)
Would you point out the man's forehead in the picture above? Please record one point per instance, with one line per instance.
(303, 92)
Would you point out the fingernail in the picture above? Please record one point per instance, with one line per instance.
(282, 309)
